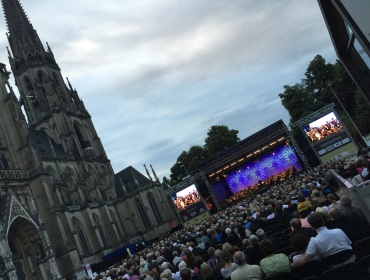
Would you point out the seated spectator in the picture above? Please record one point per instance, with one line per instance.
(230, 237)
(206, 272)
(334, 203)
(296, 226)
(313, 268)
(253, 254)
(303, 221)
(211, 257)
(185, 274)
(176, 258)
(350, 211)
(229, 266)
(219, 265)
(326, 243)
(188, 258)
(244, 270)
(199, 249)
(349, 226)
(320, 197)
(303, 204)
(329, 223)
(273, 264)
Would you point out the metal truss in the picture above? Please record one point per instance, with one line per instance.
(298, 150)
(314, 116)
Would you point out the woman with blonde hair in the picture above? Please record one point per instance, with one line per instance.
(206, 272)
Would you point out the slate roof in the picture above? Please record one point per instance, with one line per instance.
(129, 179)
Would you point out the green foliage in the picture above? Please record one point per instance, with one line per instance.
(219, 138)
(325, 83)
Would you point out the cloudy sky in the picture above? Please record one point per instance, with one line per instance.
(155, 75)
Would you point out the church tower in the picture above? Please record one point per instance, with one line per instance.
(55, 175)
(50, 105)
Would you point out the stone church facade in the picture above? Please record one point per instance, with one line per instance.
(61, 205)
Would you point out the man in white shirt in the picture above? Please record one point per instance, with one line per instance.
(326, 243)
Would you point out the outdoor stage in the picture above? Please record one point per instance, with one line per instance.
(262, 159)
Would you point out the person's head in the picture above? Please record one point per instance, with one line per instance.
(185, 274)
(260, 234)
(218, 254)
(267, 247)
(166, 274)
(226, 247)
(211, 251)
(296, 214)
(254, 240)
(315, 220)
(345, 201)
(226, 256)
(331, 197)
(239, 258)
(324, 213)
(181, 265)
(175, 254)
(206, 271)
(228, 231)
(335, 214)
(198, 261)
(299, 242)
(295, 224)
(245, 242)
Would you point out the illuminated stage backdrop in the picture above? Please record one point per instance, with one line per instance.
(268, 165)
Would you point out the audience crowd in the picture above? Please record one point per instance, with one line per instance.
(291, 228)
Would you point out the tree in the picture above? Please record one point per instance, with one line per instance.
(219, 138)
(296, 101)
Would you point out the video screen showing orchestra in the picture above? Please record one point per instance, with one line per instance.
(186, 197)
(323, 127)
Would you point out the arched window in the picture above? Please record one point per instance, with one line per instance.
(86, 194)
(114, 222)
(84, 144)
(101, 231)
(154, 207)
(143, 214)
(81, 236)
(41, 76)
(28, 83)
(4, 162)
(55, 76)
(65, 196)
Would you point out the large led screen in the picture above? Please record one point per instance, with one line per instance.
(186, 197)
(323, 127)
(267, 166)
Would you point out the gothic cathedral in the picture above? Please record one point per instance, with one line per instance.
(61, 205)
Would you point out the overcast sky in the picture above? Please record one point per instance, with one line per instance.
(156, 75)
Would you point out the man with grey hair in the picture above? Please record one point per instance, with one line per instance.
(245, 271)
(349, 211)
(219, 265)
(254, 253)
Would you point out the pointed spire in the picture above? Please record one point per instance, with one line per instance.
(22, 37)
(147, 172)
(155, 175)
(25, 44)
(69, 84)
(9, 54)
(49, 49)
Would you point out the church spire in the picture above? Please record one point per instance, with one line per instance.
(24, 42)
